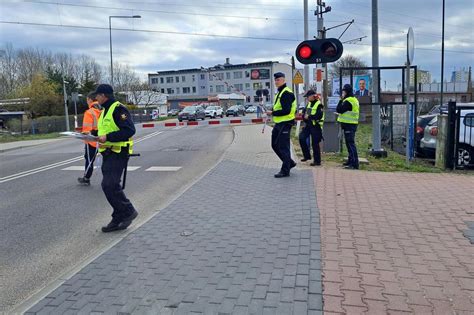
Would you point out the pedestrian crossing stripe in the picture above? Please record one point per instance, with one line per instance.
(163, 169)
(131, 168)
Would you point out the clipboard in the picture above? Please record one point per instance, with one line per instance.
(79, 136)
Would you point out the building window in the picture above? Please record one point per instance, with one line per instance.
(238, 75)
(177, 90)
(154, 80)
(256, 98)
(247, 86)
(169, 79)
(202, 87)
(227, 75)
(194, 89)
(186, 90)
(194, 78)
(162, 81)
(211, 77)
(219, 88)
(177, 79)
(183, 79)
(211, 89)
(220, 76)
(229, 89)
(256, 86)
(267, 85)
(247, 74)
(163, 91)
(239, 86)
(169, 91)
(203, 76)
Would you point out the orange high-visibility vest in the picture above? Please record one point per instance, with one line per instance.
(89, 123)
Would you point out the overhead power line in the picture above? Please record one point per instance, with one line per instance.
(199, 34)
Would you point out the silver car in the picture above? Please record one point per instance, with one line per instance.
(428, 142)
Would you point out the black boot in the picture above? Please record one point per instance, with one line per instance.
(84, 181)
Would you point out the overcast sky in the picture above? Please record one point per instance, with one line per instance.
(189, 33)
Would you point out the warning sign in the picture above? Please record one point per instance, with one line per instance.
(298, 78)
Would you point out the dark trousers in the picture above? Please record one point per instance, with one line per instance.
(113, 165)
(281, 145)
(349, 137)
(316, 135)
(89, 157)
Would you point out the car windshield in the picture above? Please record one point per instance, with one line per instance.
(189, 109)
(211, 108)
(233, 107)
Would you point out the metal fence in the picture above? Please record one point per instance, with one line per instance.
(460, 136)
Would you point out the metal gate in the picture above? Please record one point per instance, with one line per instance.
(460, 136)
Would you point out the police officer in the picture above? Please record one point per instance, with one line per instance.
(283, 112)
(313, 117)
(348, 110)
(115, 130)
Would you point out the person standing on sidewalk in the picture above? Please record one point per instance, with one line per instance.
(313, 117)
(283, 112)
(348, 110)
(115, 131)
(89, 126)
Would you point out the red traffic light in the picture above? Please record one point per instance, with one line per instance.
(323, 50)
(305, 51)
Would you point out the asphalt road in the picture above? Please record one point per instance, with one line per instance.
(49, 224)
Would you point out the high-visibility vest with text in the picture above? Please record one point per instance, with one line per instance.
(313, 112)
(107, 125)
(350, 117)
(277, 106)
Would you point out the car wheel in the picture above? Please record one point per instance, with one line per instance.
(465, 155)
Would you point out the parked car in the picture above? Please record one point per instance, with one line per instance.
(242, 108)
(421, 122)
(173, 112)
(192, 113)
(251, 109)
(235, 111)
(214, 111)
(465, 149)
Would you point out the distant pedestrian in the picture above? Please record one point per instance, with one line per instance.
(115, 130)
(313, 117)
(259, 111)
(89, 126)
(283, 112)
(348, 110)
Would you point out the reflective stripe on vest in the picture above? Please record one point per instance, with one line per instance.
(350, 117)
(107, 125)
(313, 112)
(277, 106)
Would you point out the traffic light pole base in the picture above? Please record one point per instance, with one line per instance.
(378, 153)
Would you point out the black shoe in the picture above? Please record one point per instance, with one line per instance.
(315, 164)
(305, 159)
(128, 220)
(280, 175)
(346, 164)
(351, 167)
(84, 181)
(113, 226)
(293, 164)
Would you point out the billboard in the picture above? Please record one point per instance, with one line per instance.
(259, 74)
(361, 86)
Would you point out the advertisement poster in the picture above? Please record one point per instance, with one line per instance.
(260, 74)
(362, 85)
(335, 85)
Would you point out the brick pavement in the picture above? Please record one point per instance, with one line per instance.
(393, 243)
(232, 244)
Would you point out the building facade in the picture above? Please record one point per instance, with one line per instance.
(422, 76)
(199, 84)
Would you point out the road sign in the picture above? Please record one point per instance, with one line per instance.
(298, 78)
(410, 45)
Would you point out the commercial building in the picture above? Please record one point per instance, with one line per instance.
(201, 85)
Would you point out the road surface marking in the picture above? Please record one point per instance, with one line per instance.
(163, 169)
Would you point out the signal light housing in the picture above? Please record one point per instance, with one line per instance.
(324, 50)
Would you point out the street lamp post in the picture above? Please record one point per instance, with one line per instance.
(65, 104)
(110, 34)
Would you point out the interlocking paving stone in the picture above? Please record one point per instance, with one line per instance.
(237, 241)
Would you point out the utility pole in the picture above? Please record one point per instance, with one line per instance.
(442, 58)
(306, 37)
(376, 139)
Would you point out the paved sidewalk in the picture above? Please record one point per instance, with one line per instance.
(234, 243)
(395, 243)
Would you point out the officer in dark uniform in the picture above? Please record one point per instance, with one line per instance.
(313, 117)
(115, 131)
(283, 112)
(348, 116)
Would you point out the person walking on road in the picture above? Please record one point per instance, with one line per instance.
(283, 113)
(348, 110)
(89, 126)
(313, 117)
(115, 131)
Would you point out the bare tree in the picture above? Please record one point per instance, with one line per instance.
(344, 62)
(8, 70)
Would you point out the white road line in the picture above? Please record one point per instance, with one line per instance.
(179, 127)
(163, 169)
(81, 168)
(65, 162)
